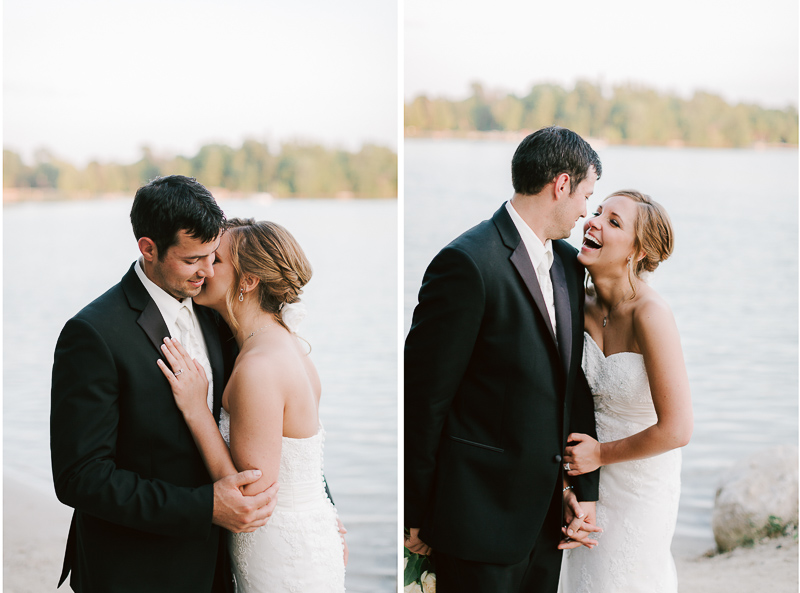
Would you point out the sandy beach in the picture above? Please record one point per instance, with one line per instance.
(35, 530)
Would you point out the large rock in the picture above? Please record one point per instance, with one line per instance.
(757, 497)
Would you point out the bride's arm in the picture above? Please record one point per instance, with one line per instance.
(190, 389)
(659, 342)
(256, 403)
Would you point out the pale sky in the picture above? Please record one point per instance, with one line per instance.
(98, 79)
(743, 51)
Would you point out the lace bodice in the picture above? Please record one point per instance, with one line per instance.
(299, 549)
(638, 504)
(301, 459)
(623, 404)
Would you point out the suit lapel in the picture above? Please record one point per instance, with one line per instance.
(139, 299)
(522, 262)
(156, 329)
(153, 325)
(563, 309)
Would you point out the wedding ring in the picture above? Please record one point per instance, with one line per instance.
(178, 372)
(566, 467)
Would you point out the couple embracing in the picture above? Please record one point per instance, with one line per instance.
(184, 414)
(520, 383)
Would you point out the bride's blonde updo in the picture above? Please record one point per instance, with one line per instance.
(653, 233)
(267, 251)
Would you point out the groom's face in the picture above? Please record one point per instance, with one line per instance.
(185, 266)
(573, 206)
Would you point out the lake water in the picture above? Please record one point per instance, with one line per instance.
(60, 256)
(732, 281)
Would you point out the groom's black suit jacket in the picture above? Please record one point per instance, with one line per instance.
(124, 458)
(491, 394)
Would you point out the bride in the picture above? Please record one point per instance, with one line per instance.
(270, 409)
(634, 365)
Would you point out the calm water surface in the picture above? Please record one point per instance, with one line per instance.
(60, 256)
(732, 281)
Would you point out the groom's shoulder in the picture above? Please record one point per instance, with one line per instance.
(565, 250)
(106, 308)
(569, 256)
(480, 239)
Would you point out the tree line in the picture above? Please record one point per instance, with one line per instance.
(629, 114)
(297, 170)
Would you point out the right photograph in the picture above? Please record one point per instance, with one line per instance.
(600, 299)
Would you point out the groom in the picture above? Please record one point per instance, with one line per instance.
(147, 517)
(493, 383)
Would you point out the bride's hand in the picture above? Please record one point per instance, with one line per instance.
(579, 523)
(186, 377)
(342, 532)
(583, 456)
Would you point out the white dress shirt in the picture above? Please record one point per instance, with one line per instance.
(541, 255)
(169, 307)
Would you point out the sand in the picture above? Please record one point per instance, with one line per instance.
(35, 528)
(769, 566)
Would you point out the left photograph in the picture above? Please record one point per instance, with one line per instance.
(200, 297)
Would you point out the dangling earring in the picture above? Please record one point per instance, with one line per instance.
(630, 276)
(241, 295)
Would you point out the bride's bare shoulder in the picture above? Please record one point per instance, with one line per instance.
(271, 368)
(652, 316)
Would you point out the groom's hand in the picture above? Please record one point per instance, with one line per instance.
(414, 544)
(579, 523)
(236, 512)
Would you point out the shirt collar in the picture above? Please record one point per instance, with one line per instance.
(167, 304)
(537, 250)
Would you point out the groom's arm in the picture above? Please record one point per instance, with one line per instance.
(437, 352)
(84, 426)
(582, 420)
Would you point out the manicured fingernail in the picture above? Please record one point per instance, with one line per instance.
(581, 515)
(570, 532)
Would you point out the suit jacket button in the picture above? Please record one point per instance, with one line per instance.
(557, 459)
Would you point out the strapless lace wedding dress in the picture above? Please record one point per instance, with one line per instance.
(299, 550)
(638, 503)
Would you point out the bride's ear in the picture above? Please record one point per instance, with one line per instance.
(249, 283)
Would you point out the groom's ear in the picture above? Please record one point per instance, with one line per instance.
(148, 249)
(561, 185)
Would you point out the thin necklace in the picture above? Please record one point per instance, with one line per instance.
(255, 332)
(605, 318)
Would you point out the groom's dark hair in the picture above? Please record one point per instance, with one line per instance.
(546, 154)
(168, 205)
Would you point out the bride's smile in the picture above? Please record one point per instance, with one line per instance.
(609, 234)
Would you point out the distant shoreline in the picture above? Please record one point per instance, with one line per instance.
(518, 136)
(22, 195)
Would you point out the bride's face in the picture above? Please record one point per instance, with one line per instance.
(215, 290)
(609, 233)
